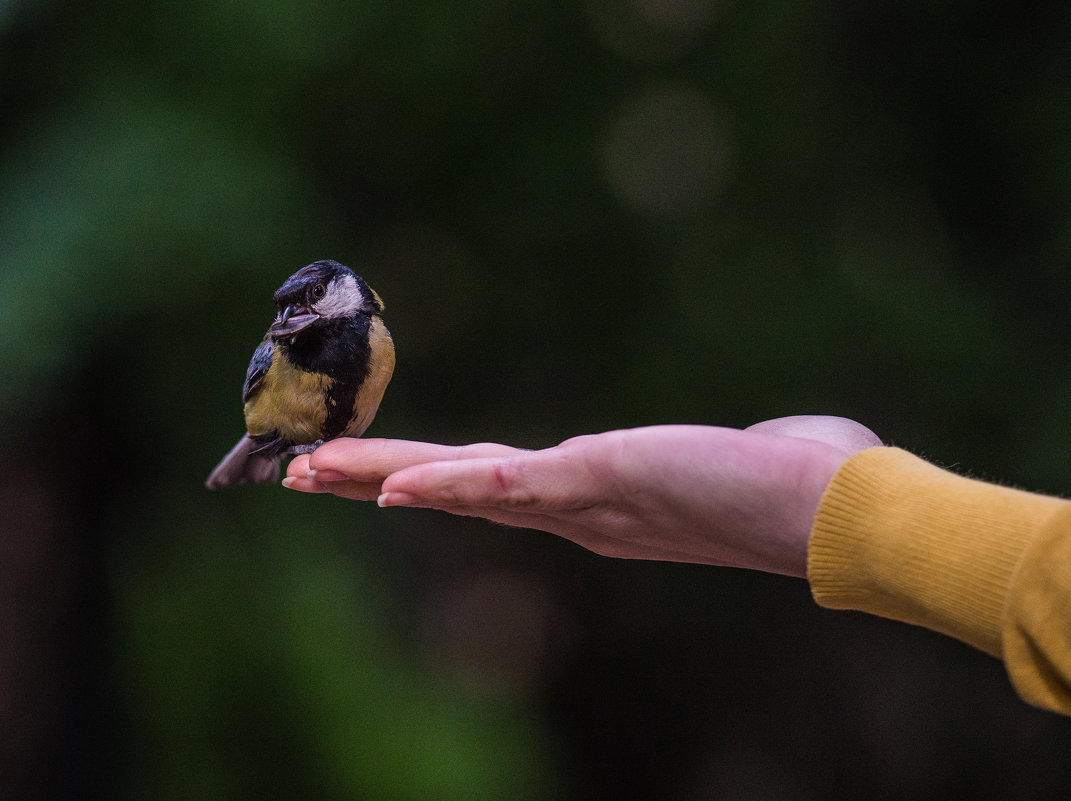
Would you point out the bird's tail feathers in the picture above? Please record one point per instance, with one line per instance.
(244, 465)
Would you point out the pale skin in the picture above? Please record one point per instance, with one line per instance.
(704, 494)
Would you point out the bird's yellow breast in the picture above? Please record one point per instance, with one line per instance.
(380, 370)
(289, 401)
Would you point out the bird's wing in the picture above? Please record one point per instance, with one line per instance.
(258, 368)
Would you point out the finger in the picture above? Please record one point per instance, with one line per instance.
(299, 466)
(527, 481)
(352, 490)
(299, 477)
(372, 460)
(304, 485)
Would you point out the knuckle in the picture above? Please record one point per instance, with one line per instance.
(510, 486)
(504, 473)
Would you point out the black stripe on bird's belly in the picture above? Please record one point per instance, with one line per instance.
(340, 350)
(340, 399)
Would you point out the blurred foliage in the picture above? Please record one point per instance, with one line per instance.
(606, 214)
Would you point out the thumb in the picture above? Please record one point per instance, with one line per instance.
(846, 435)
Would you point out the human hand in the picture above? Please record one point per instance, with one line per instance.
(679, 493)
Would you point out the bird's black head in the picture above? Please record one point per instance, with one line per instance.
(320, 293)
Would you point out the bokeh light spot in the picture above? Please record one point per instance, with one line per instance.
(666, 152)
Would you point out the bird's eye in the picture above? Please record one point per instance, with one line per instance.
(319, 291)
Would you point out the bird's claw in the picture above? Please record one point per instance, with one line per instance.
(297, 450)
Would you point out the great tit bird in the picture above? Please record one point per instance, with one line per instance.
(319, 373)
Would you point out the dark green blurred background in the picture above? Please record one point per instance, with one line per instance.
(581, 216)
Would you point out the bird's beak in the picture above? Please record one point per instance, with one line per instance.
(292, 320)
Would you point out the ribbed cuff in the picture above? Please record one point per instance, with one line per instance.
(1037, 637)
(898, 537)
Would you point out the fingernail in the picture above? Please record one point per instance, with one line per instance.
(326, 475)
(396, 499)
(288, 482)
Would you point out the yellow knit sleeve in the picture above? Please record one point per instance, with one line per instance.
(1037, 618)
(898, 537)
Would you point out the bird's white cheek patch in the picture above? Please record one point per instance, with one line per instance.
(343, 299)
